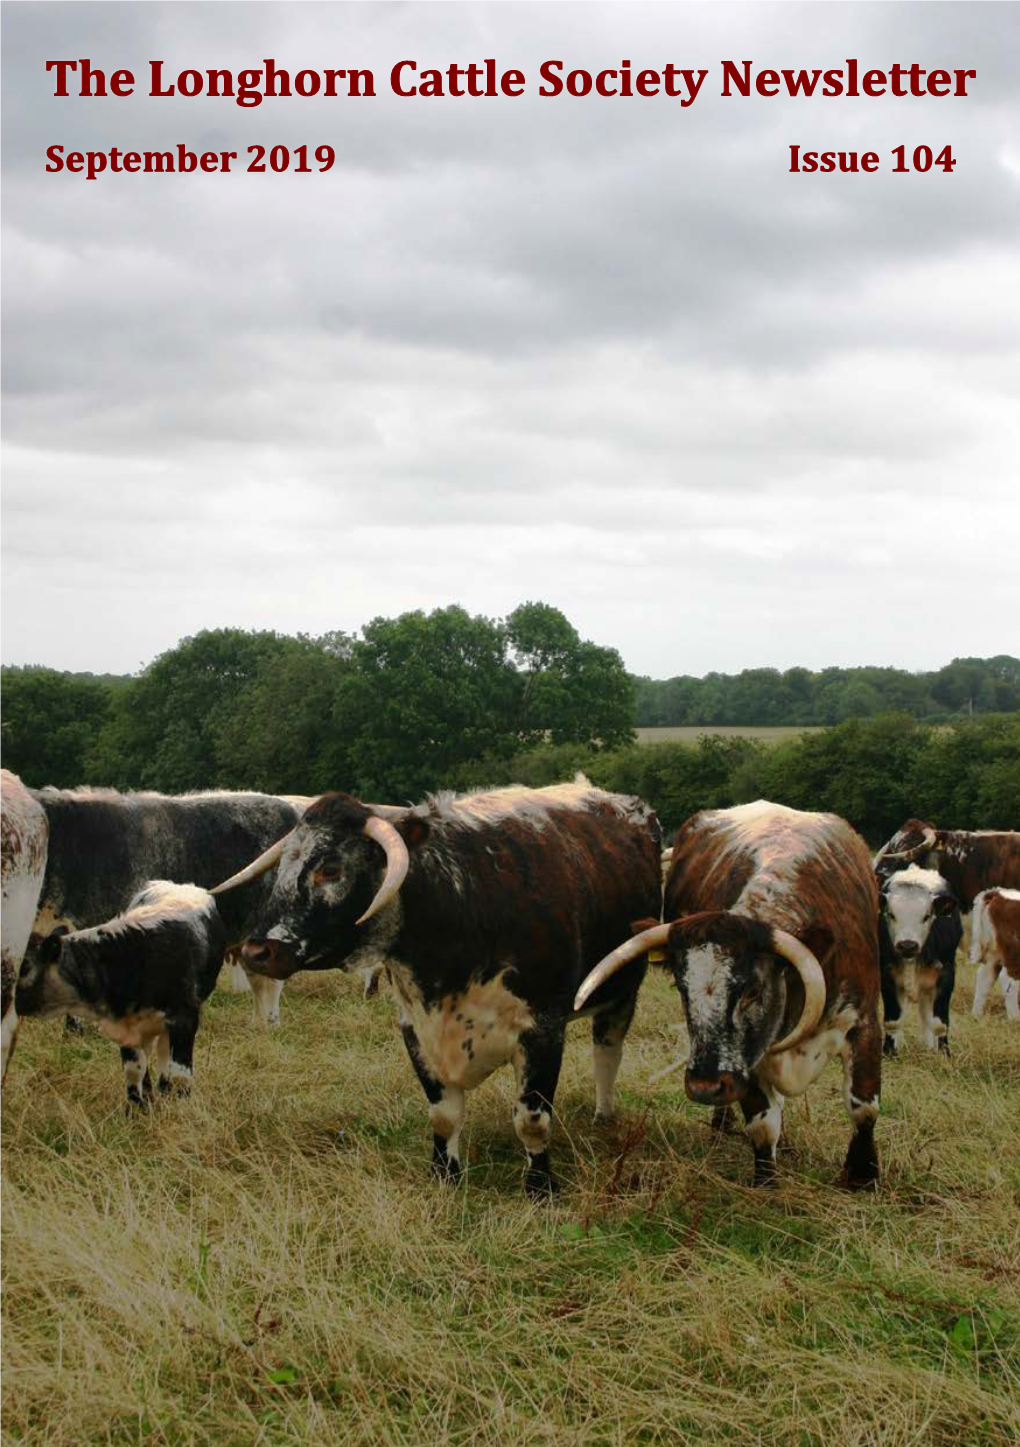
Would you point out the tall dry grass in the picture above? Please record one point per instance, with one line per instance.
(269, 1262)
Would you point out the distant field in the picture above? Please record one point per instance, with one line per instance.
(690, 733)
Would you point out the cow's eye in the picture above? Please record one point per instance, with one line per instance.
(327, 873)
(751, 996)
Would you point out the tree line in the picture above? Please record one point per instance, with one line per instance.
(760, 696)
(447, 699)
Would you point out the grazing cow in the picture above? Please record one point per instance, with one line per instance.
(772, 940)
(142, 977)
(23, 834)
(919, 928)
(968, 860)
(486, 911)
(104, 846)
(995, 947)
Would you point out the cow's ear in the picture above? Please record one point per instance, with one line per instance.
(944, 904)
(414, 830)
(819, 941)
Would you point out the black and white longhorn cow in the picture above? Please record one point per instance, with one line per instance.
(486, 911)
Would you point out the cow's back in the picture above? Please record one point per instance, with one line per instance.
(785, 867)
(104, 846)
(550, 894)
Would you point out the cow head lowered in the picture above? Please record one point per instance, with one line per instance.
(335, 871)
(738, 989)
(912, 900)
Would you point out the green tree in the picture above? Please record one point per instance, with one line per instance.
(572, 691)
(49, 722)
(162, 728)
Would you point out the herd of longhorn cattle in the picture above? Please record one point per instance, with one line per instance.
(497, 918)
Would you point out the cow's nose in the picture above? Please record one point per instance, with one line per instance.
(719, 1089)
(906, 947)
(267, 957)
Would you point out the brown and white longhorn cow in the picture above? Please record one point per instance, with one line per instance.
(487, 911)
(771, 935)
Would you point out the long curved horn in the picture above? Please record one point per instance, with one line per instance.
(810, 972)
(397, 862)
(928, 842)
(256, 867)
(631, 949)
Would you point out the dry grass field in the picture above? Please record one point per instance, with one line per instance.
(269, 1262)
(691, 733)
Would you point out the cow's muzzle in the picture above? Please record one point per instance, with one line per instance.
(269, 957)
(721, 1089)
(906, 949)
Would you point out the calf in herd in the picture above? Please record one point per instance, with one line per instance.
(995, 947)
(486, 911)
(770, 936)
(141, 976)
(919, 930)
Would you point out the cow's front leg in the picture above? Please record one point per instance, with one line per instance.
(940, 1006)
(608, 1032)
(894, 999)
(137, 1080)
(862, 1079)
(267, 994)
(763, 1123)
(446, 1111)
(537, 1062)
(1010, 995)
(175, 1054)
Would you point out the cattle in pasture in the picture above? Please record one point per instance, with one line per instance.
(105, 845)
(968, 860)
(919, 933)
(995, 947)
(771, 936)
(142, 977)
(23, 842)
(486, 910)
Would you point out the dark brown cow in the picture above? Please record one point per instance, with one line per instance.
(995, 946)
(486, 911)
(751, 892)
(968, 860)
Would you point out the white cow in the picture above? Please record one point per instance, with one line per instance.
(24, 835)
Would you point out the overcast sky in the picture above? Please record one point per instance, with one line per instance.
(606, 353)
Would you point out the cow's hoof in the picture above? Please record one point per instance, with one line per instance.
(722, 1118)
(73, 1026)
(889, 1047)
(137, 1101)
(600, 1118)
(765, 1175)
(539, 1181)
(445, 1168)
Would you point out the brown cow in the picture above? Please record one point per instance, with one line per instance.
(751, 892)
(995, 946)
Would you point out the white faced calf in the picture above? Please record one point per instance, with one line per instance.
(919, 931)
(142, 977)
